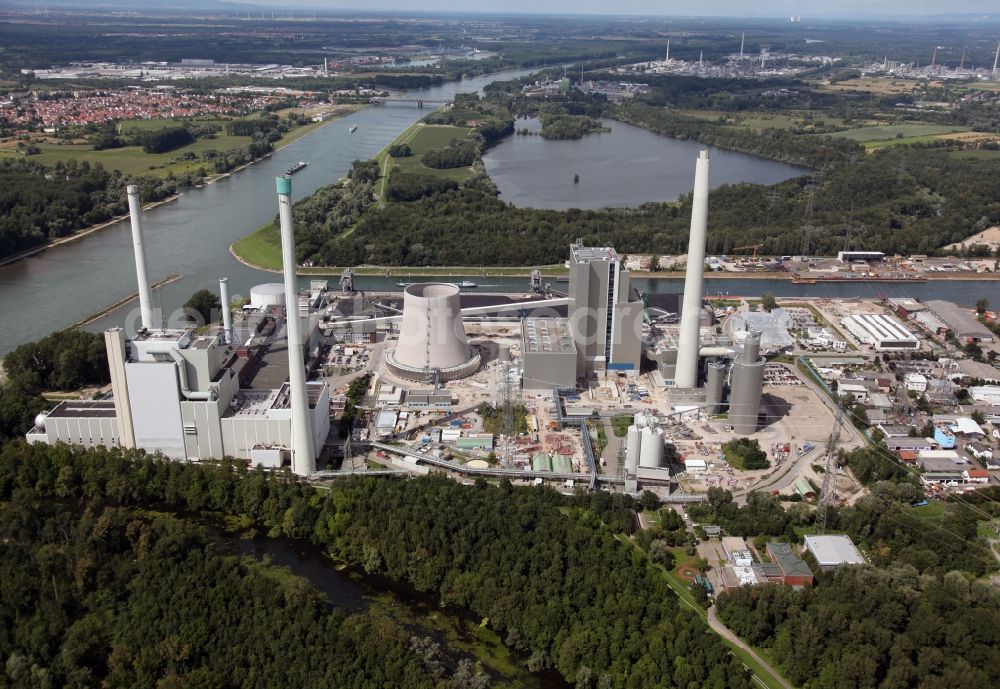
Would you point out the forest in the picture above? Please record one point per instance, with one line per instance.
(559, 127)
(865, 628)
(66, 361)
(555, 584)
(95, 595)
(39, 204)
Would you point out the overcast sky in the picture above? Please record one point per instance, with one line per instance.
(734, 8)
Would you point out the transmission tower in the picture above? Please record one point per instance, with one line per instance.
(807, 227)
(348, 453)
(828, 493)
(508, 420)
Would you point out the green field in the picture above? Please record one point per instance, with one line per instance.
(133, 160)
(890, 133)
(261, 248)
(766, 120)
(425, 138)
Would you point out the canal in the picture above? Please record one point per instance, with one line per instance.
(625, 167)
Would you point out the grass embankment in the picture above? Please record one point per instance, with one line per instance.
(133, 160)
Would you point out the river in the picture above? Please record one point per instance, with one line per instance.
(191, 236)
(625, 167)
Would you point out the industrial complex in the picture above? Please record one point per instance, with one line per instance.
(600, 385)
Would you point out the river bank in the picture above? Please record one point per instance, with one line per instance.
(82, 233)
(291, 137)
(464, 272)
(121, 302)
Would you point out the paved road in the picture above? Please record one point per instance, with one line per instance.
(724, 631)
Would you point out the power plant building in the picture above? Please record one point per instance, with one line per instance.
(191, 397)
(548, 354)
(605, 318)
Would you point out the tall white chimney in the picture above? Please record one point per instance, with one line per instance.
(743, 38)
(688, 343)
(227, 316)
(303, 450)
(145, 296)
(996, 59)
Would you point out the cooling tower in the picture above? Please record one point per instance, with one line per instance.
(688, 342)
(748, 383)
(432, 343)
(714, 386)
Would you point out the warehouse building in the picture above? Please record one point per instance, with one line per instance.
(960, 321)
(832, 551)
(884, 333)
(794, 571)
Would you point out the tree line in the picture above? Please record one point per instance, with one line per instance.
(556, 586)
(39, 204)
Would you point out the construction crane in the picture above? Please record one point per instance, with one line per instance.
(749, 246)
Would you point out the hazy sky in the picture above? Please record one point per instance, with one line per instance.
(735, 8)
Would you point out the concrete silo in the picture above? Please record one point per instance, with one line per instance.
(714, 386)
(748, 383)
(432, 343)
(632, 449)
(650, 448)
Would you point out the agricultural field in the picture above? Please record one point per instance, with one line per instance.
(757, 121)
(877, 85)
(133, 160)
(425, 137)
(883, 135)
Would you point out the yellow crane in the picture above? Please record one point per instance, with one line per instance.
(749, 246)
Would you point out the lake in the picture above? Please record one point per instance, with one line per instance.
(625, 167)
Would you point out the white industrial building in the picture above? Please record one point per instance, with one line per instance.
(883, 333)
(187, 396)
(833, 550)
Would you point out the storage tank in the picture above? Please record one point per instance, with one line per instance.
(432, 341)
(650, 448)
(561, 464)
(714, 385)
(632, 449)
(747, 387)
(268, 294)
(541, 461)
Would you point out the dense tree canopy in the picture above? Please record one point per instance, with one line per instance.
(39, 204)
(556, 585)
(868, 628)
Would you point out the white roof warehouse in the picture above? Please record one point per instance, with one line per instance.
(884, 333)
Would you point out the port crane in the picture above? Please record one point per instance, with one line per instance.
(749, 246)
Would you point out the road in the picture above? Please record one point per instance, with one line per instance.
(727, 634)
